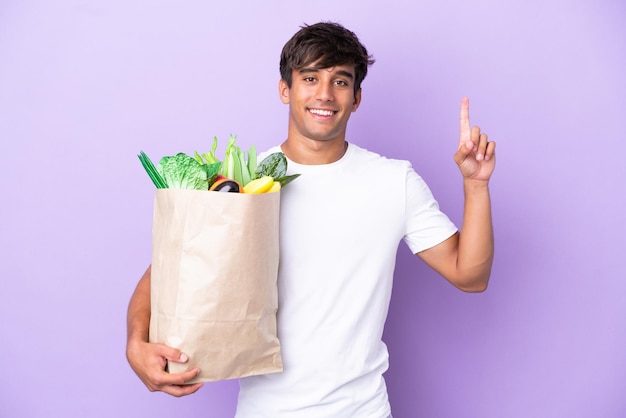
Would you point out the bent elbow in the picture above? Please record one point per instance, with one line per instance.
(475, 288)
(473, 285)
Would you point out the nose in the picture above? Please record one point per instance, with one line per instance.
(324, 92)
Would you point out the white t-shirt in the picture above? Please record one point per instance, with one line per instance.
(340, 226)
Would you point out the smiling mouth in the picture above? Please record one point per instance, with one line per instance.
(322, 112)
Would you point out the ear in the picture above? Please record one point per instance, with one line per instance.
(283, 91)
(357, 100)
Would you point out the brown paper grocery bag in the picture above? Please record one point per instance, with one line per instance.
(214, 281)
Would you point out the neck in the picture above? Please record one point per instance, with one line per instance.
(314, 152)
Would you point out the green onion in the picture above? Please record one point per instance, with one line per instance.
(156, 178)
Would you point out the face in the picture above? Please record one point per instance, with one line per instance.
(320, 102)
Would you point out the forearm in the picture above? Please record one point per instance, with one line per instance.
(138, 317)
(476, 242)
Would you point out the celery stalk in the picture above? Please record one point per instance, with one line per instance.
(227, 166)
(237, 173)
(252, 161)
(245, 174)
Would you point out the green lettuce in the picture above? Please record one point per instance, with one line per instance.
(181, 171)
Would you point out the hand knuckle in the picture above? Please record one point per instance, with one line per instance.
(157, 380)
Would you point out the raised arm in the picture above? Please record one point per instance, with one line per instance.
(147, 359)
(465, 259)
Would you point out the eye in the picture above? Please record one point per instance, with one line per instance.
(309, 79)
(341, 83)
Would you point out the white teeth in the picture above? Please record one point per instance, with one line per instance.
(322, 112)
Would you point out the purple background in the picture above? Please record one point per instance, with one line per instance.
(85, 85)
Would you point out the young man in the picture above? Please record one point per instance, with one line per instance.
(340, 228)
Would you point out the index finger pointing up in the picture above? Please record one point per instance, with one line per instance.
(465, 122)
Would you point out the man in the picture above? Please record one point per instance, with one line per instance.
(341, 223)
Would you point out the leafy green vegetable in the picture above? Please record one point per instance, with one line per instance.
(285, 180)
(212, 170)
(181, 171)
(274, 165)
(200, 172)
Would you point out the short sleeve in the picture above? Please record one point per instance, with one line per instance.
(426, 224)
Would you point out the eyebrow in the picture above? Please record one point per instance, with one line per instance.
(307, 70)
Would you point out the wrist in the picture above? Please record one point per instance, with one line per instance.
(470, 184)
(135, 337)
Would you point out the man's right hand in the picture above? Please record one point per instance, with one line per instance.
(148, 360)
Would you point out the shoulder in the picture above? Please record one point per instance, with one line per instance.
(377, 164)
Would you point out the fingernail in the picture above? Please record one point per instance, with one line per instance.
(479, 157)
(183, 357)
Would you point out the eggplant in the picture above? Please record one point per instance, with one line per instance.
(226, 185)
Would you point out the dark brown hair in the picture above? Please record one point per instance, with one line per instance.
(327, 44)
